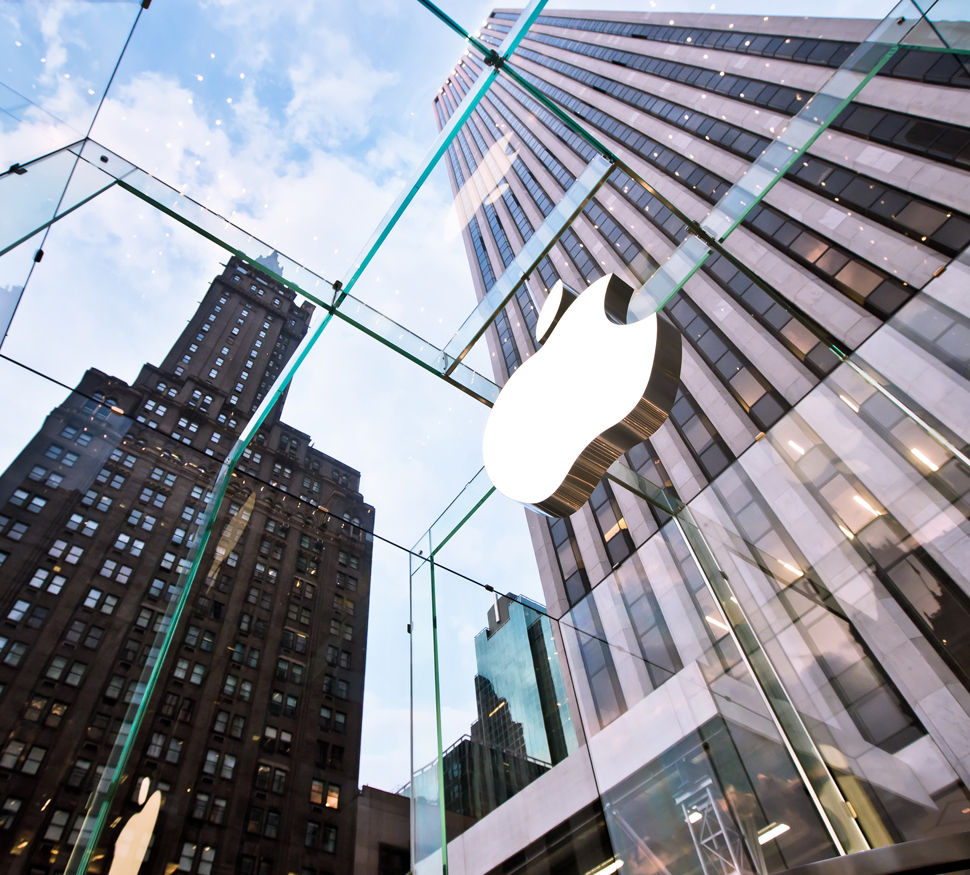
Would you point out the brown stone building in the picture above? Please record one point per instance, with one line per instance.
(253, 732)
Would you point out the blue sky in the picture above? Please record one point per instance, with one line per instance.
(300, 121)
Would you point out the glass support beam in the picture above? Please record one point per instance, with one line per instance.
(521, 28)
(375, 324)
(944, 31)
(443, 16)
(565, 212)
(818, 780)
(37, 193)
(429, 837)
(301, 279)
(512, 39)
(556, 110)
(441, 143)
(472, 496)
(442, 811)
(803, 129)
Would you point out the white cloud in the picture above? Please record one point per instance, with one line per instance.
(333, 93)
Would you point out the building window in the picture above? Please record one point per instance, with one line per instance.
(11, 754)
(218, 813)
(199, 806)
(174, 750)
(612, 525)
(58, 822)
(312, 834)
(316, 791)
(187, 857)
(254, 821)
(156, 745)
(35, 757)
(15, 653)
(211, 762)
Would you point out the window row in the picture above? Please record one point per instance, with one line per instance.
(918, 218)
(949, 143)
(915, 64)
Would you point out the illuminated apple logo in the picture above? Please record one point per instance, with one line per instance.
(596, 388)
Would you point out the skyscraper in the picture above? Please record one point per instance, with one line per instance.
(518, 665)
(786, 676)
(253, 733)
(523, 725)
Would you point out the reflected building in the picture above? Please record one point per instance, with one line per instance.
(495, 725)
(819, 443)
(523, 726)
(253, 733)
(520, 691)
(479, 776)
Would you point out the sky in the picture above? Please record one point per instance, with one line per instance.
(300, 121)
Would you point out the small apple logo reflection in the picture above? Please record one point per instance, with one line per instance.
(129, 851)
(596, 388)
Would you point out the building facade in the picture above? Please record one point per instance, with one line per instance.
(252, 736)
(803, 686)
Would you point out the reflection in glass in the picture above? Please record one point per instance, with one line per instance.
(520, 690)
(523, 725)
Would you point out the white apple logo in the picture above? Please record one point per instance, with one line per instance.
(596, 388)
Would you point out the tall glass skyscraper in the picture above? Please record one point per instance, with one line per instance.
(763, 611)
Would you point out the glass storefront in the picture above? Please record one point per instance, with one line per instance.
(765, 670)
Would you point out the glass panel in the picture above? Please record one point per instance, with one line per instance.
(142, 324)
(297, 276)
(110, 493)
(945, 25)
(728, 615)
(743, 821)
(769, 166)
(34, 193)
(260, 130)
(468, 501)
(428, 852)
(57, 66)
(527, 259)
(609, 700)
(504, 702)
(814, 605)
(259, 682)
(684, 740)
